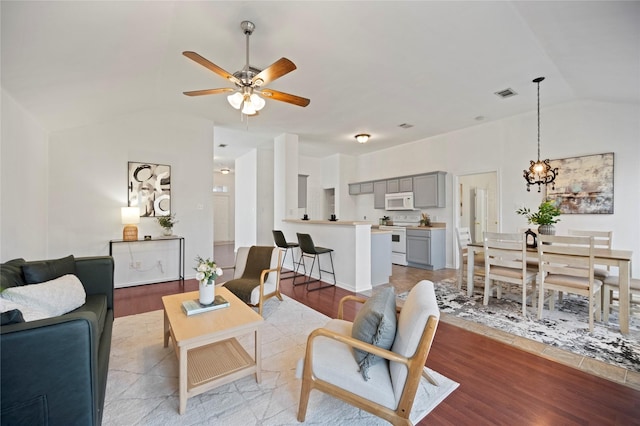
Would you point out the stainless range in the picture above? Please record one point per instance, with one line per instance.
(399, 236)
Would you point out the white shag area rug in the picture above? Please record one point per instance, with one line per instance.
(142, 387)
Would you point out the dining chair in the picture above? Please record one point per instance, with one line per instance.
(464, 238)
(505, 261)
(601, 239)
(566, 265)
(610, 292)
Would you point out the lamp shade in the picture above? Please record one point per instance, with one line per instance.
(130, 215)
(235, 100)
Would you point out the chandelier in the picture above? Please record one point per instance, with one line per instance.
(540, 172)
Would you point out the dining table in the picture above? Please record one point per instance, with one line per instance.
(602, 256)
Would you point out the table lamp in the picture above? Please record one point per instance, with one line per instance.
(130, 216)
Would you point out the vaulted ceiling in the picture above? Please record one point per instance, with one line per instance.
(366, 66)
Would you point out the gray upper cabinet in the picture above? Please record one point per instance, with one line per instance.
(302, 191)
(393, 186)
(406, 184)
(379, 189)
(429, 190)
(361, 188)
(399, 185)
(366, 188)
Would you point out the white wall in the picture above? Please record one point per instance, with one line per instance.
(88, 185)
(23, 184)
(265, 177)
(312, 167)
(569, 130)
(246, 201)
(224, 205)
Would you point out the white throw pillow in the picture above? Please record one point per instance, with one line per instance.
(53, 298)
(28, 313)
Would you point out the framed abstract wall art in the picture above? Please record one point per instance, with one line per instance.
(584, 185)
(150, 188)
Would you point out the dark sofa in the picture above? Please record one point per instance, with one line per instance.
(54, 371)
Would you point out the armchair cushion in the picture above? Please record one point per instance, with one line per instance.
(258, 259)
(375, 323)
(53, 298)
(333, 362)
(420, 304)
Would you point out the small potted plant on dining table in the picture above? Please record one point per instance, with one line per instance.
(545, 217)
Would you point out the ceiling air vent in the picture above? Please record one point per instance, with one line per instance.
(506, 93)
(405, 125)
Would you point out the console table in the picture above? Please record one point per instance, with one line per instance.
(177, 238)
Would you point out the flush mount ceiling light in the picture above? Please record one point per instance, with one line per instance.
(540, 172)
(363, 137)
(225, 171)
(249, 81)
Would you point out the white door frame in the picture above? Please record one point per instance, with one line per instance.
(457, 206)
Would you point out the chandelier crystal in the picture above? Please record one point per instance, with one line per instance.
(540, 172)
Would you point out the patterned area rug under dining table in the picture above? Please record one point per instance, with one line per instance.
(565, 328)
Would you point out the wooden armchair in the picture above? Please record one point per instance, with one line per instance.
(256, 276)
(330, 366)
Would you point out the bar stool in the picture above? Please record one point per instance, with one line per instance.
(311, 250)
(281, 241)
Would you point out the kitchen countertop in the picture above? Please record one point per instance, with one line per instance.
(328, 222)
(434, 225)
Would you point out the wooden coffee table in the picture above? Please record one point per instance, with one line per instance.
(205, 344)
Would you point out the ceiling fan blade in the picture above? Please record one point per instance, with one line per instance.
(211, 66)
(209, 91)
(285, 97)
(276, 70)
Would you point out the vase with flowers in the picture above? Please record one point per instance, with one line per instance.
(545, 217)
(206, 273)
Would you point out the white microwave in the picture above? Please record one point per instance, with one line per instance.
(399, 201)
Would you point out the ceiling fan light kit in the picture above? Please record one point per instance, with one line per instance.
(249, 80)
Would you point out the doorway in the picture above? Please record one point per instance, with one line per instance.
(478, 205)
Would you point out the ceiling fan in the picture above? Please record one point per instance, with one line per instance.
(249, 81)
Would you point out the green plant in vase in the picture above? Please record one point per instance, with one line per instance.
(545, 217)
(167, 222)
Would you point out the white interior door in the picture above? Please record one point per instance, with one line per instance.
(221, 222)
(480, 214)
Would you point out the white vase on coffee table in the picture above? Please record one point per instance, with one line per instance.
(207, 291)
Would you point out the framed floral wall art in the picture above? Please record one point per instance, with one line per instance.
(584, 185)
(150, 188)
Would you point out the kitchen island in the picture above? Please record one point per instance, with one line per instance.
(361, 256)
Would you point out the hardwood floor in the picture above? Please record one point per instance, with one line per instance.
(499, 384)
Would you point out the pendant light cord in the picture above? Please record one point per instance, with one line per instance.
(538, 121)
